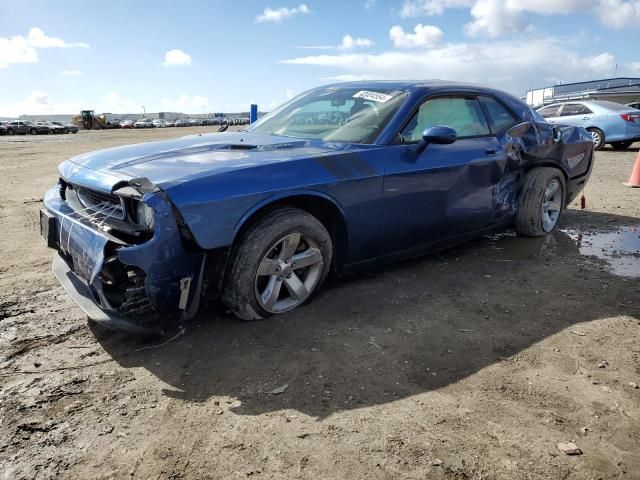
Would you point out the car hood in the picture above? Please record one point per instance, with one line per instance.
(170, 162)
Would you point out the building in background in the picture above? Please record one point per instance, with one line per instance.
(620, 90)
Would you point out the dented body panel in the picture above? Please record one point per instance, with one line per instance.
(393, 200)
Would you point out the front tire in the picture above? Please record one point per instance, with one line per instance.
(278, 264)
(598, 138)
(541, 202)
(33, 131)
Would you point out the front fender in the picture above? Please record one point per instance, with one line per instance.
(282, 196)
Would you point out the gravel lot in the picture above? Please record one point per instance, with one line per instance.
(470, 364)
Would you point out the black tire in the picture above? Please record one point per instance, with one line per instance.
(33, 131)
(239, 291)
(599, 145)
(529, 217)
(11, 132)
(74, 131)
(66, 130)
(621, 145)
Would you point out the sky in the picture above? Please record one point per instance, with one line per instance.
(222, 55)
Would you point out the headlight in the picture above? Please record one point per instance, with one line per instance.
(144, 215)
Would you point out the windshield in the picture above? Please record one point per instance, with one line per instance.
(351, 115)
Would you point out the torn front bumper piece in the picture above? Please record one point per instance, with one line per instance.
(138, 288)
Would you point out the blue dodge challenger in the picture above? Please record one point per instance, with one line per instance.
(341, 177)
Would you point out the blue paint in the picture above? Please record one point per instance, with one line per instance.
(253, 114)
(395, 199)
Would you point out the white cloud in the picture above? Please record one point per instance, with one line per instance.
(498, 17)
(619, 13)
(19, 49)
(71, 72)
(368, 4)
(349, 43)
(186, 103)
(176, 57)
(514, 66)
(494, 18)
(276, 15)
(38, 103)
(38, 39)
(423, 36)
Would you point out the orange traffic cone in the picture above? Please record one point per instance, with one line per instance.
(634, 179)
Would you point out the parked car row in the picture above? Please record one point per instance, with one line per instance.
(26, 127)
(607, 122)
(181, 122)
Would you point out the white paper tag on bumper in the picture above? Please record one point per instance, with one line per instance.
(375, 96)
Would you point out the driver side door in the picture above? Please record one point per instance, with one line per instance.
(446, 190)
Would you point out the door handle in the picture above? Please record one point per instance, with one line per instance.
(490, 150)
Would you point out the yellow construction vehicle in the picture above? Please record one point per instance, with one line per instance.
(88, 120)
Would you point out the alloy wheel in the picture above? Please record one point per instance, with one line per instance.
(296, 263)
(551, 205)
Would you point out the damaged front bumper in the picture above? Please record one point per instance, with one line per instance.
(142, 287)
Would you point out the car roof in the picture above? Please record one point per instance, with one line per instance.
(404, 84)
(444, 86)
(605, 104)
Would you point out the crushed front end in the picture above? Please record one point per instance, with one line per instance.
(123, 254)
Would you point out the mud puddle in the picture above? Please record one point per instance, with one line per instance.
(619, 249)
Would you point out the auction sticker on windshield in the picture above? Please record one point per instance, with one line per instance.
(375, 96)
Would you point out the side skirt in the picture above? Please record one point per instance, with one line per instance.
(420, 250)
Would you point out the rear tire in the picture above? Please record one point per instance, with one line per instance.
(33, 131)
(11, 132)
(621, 145)
(598, 137)
(541, 202)
(262, 278)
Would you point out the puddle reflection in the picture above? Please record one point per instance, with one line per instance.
(619, 248)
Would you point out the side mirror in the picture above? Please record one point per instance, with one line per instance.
(519, 130)
(440, 134)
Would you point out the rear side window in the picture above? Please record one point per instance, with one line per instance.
(462, 114)
(574, 109)
(548, 112)
(499, 116)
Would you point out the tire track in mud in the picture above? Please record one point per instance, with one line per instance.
(25, 345)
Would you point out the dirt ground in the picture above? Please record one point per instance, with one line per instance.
(470, 364)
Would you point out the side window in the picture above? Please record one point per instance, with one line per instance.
(499, 117)
(462, 114)
(572, 109)
(549, 112)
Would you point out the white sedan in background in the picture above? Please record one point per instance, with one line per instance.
(143, 123)
(158, 123)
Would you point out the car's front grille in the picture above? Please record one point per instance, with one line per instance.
(106, 204)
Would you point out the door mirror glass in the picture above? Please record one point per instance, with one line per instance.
(519, 130)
